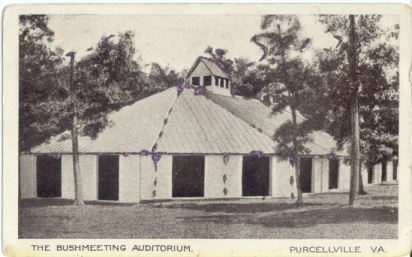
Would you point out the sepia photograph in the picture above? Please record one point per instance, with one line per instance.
(261, 125)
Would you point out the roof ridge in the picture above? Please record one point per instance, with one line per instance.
(165, 121)
(241, 119)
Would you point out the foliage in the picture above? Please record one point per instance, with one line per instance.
(41, 88)
(290, 81)
(377, 74)
(108, 78)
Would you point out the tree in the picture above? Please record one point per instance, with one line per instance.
(362, 76)
(42, 91)
(289, 80)
(161, 78)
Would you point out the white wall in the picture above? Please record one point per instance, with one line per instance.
(344, 175)
(325, 174)
(280, 176)
(163, 174)
(88, 169)
(377, 174)
(317, 172)
(129, 178)
(28, 185)
(389, 171)
(214, 171)
(200, 71)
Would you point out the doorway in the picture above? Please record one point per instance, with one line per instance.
(256, 176)
(306, 174)
(48, 176)
(108, 177)
(188, 176)
(333, 174)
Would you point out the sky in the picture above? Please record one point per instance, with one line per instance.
(177, 40)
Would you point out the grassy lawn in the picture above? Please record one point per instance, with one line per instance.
(321, 216)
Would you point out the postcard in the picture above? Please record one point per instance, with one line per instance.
(207, 130)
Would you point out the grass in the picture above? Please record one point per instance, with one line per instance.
(321, 216)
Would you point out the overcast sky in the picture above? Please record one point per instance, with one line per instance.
(177, 40)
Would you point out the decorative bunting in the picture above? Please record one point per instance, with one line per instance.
(125, 154)
(181, 87)
(225, 158)
(199, 91)
(156, 157)
(332, 156)
(54, 155)
(292, 158)
(291, 180)
(225, 191)
(257, 154)
(144, 153)
(224, 178)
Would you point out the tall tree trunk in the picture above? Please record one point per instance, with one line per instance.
(355, 153)
(78, 199)
(295, 148)
(361, 188)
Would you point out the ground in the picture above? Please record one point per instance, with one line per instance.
(321, 216)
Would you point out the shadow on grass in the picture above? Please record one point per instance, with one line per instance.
(44, 202)
(242, 207)
(306, 218)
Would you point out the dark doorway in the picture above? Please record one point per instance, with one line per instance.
(109, 177)
(395, 170)
(188, 176)
(384, 173)
(306, 175)
(256, 175)
(333, 174)
(48, 176)
(370, 174)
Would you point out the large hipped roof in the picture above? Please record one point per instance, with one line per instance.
(175, 124)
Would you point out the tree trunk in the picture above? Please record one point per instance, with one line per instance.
(295, 148)
(361, 188)
(354, 109)
(78, 199)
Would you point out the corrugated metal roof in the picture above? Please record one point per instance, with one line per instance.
(197, 125)
(256, 113)
(135, 127)
(211, 65)
(216, 70)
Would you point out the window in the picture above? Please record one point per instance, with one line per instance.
(222, 81)
(207, 80)
(195, 81)
(216, 81)
(227, 83)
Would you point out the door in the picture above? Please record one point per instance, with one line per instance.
(48, 176)
(333, 174)
(108, 177)
(306, 174)
(256, 176)
(188, 176)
